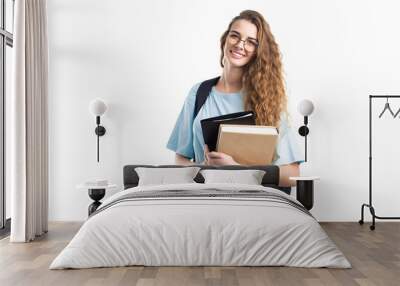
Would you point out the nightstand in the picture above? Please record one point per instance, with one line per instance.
(96, 193)
(305, 190)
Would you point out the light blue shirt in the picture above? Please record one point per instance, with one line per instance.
(187, 137)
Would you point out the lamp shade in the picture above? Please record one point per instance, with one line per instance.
(305, 107)
(97, 107)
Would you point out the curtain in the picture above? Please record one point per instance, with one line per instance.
(29, 122)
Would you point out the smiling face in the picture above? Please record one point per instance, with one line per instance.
(241, 43)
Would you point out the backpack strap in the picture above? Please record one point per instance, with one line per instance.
(202, 93)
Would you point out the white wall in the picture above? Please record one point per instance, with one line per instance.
(142, 57)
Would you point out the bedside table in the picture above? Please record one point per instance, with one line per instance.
(305, 190)
(96, 193)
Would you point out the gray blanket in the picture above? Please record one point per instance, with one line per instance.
(201, 224)
(207, 193)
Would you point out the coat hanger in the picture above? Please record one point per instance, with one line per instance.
(397, 113)
(387, 107)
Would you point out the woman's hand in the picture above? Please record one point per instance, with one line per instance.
(217, 158)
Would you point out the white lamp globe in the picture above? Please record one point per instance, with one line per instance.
(305, 107)
(97, 107)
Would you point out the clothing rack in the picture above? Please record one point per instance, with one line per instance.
(370, 205)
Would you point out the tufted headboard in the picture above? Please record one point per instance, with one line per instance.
(270, 179)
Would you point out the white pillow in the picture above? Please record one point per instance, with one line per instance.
(165, 176)
(248, 177)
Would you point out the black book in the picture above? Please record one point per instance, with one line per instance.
(210, 126)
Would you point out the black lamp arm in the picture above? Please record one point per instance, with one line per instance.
(303, 131)
(100, 131)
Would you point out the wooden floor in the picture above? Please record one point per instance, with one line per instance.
(374, 255)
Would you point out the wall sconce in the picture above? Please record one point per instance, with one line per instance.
(305, 108)
(97, 107)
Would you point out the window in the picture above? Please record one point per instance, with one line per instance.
(6, 44)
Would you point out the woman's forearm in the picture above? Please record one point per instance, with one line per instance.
(286, 171)
(182, 160)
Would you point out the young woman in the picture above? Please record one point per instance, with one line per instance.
(251, 79)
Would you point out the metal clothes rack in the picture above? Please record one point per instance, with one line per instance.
(369, 205)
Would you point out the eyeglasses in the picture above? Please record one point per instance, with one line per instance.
(249, 45)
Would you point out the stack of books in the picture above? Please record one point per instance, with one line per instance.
(237, 135)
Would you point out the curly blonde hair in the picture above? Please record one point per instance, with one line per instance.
(263, 82)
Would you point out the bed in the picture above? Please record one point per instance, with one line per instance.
(201, 224)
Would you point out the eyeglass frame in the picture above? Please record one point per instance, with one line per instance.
(252, 42)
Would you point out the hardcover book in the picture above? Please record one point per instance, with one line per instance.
(210, 126)
(248, 144)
